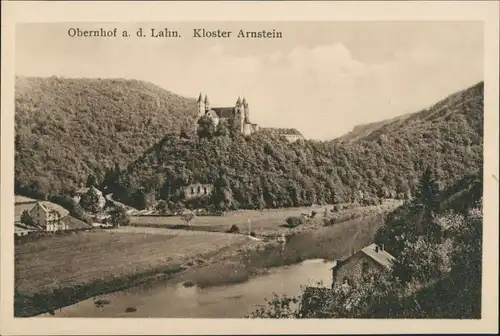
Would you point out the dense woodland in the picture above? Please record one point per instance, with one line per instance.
(265, 171)
(68, 128)
(138, 140)
(437, 241)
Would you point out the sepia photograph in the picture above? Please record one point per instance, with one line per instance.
(248, 170)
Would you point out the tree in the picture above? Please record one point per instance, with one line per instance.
(91, 181)
(428, 190)
(90, 201)
(73, 207)
(206, 127)
(162, 207)
(294, 221)
(119, 216)
(188, 217)
(141, 199)
(27, 219)
(222, 195)
(174, 206)
(234, 229)
(222, 128)
(357, 299)
(422, 261)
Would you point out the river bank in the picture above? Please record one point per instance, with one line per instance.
(231, 264)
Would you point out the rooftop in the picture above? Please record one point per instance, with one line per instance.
(223, 112)
(22, 199)
(282, 131)
(380, 256)
(75, 224)
(49, 206)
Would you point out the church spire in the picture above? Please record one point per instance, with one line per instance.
(238, 102)
(245, 102)
(207, 103)
(200, 98)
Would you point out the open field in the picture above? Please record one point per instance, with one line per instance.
(53, 262)
(53, 272)
(265, 222)
(268, 220)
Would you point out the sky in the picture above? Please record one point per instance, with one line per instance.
(322, 78)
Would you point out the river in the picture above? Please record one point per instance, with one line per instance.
(159, 299)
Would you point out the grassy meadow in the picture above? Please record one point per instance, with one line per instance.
(54, 271)
(55, 261)
(264, 222)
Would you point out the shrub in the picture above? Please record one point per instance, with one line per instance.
(313, 214)
(234, 229)
(329, 221)
(188, 284)
(253, 234)
(294, 221)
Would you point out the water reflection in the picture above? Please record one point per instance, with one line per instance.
(232, 301)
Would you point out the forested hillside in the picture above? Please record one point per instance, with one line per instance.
(68, 128)
(451, 109)
(266, 171)
(436, 239)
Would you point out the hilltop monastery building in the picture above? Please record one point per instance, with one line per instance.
(237, 117)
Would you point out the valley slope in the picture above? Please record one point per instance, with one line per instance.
(67, 128)
(264, 171)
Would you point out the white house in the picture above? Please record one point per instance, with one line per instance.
(49, 216)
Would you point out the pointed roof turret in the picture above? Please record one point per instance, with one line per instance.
(200, 98)
(238, 102)
(206, 100)
(245, 102)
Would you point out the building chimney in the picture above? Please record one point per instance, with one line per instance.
(382, 247)
(376, 248)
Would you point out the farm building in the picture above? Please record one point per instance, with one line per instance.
(369, 259)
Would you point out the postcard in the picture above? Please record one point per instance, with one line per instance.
(249, 167)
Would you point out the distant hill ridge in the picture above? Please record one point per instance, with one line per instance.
(472, 97)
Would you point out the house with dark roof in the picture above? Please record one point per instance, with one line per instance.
(371, 259)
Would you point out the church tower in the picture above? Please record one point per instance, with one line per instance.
(201, 106)
(247, 110)
(207, 104)
(239, 118)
